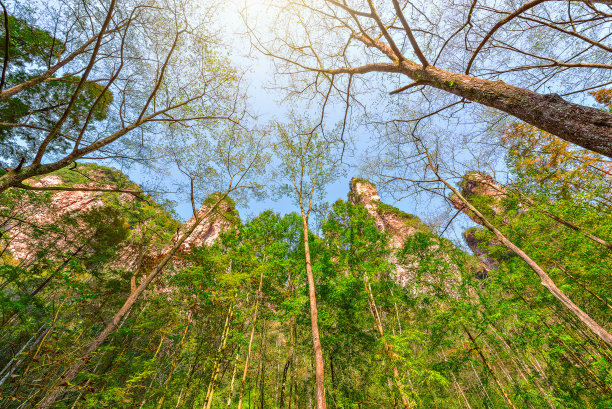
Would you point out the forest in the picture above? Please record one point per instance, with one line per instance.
(325, 204)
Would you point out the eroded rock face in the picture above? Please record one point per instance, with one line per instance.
(480, 184)
(208, 231)
(387, 218)
(476, 245)
(55, 227)
(51, 226)
(476, 184)
(401, 227)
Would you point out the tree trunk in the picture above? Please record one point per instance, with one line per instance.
(290, 358)
(545, 279)
(248, 357)
(217, 365)
(314, 320)
(176, 356)
(262, 368)
(231, 389)
(69, 376)
(486, 364)
(588, 127)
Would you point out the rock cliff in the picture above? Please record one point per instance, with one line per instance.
(55, 225)
(402, 226)
(480, 184)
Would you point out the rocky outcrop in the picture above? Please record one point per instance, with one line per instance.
(481, 184)
(401, 226)
(54, 225)
(480, 250)
(221, 219)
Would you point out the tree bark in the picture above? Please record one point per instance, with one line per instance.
(486, 364)
(217, 365)
(314, 320)
(545, 279)
(69, 376)
(248, 357)
(588, 127)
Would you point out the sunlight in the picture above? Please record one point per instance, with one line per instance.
(258, 13)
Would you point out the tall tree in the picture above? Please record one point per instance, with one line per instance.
(234, 162)
(114, 71)
(308, 164)
(467, 49)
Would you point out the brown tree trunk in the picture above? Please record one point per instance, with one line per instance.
(217, 365)
(545, 279)
(69, 376)
(388, 348)
(486, 364)
(588, 127)
(314, 321)
(248, 357)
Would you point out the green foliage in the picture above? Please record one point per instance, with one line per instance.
(414, 322)
(32, 50)
(29, 44)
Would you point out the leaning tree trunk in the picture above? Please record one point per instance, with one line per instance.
(545, 279)
(588, 127)
(314, 321)
(69, 376)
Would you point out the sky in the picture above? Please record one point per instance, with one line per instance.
(265, 103)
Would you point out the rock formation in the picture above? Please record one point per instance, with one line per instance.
(56, 221)
(401, 226)
(144, 232)
(481, 184)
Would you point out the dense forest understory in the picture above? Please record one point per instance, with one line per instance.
(491, 119)
(406, 318)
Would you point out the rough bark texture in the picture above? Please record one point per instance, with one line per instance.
(545, 279)
(588, 127)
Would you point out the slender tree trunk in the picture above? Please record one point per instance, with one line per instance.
(486, 364)
(231, 390)
(457, 385)
(217, 365)
(314, 320)
(396, 376)
(14, 363)
(248, 357)
(523, 368)
(69, 376)
(262, 367)
(281, 404)
(545, 279)
(180, 346)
